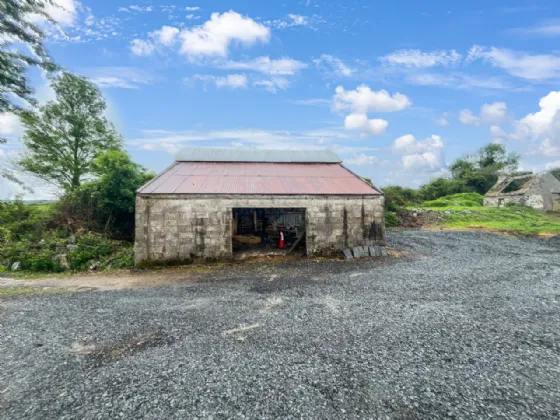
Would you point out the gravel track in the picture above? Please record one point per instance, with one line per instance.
(467, 326)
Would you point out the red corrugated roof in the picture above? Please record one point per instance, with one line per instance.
(258, 178)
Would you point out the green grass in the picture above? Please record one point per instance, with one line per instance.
(467, 212)
(456, 200)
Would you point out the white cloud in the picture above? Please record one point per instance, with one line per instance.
(292, 20)
(274, 84)
(9, 124)
(334, 66)
(457, 81)
(494, 113)
(363, 100)
(233, 81)
(442, 121)
(420, 59)
(360, 122)
(142, 48)
(140, 8)
(519, 64)
(166, 36)
(215, 36)
(192, 16)
(192, 8)
(424, 155)
(280, 67)
(118, 77)
(362, 160)
(64, 12)
(467, 117)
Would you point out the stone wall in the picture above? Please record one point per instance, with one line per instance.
(175, 228)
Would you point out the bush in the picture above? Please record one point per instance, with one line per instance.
(391, 219)
(442, 187)
(397, 197)
(89, 248)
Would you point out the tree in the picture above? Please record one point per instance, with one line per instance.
(107, 203)
(15, 28)
(63, 137)
(480, 171)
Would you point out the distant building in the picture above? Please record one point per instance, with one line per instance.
(540, 191)
(213, 202)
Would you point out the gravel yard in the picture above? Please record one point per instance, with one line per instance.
(466, 326)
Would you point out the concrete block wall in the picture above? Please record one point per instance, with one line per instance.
(175, 228)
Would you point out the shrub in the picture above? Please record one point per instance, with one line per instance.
(89, 248)
(397, 197)
(391, 219)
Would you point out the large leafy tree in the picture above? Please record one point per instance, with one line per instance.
(16, 31)
(63, 137)
(480, 171)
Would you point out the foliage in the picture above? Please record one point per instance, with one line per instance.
(479, 172)
(397, 197)
(391, 218)
(441, 187)
(556, 173)
(106, 204)
(456, 200)
(15, 28)
(64, 137)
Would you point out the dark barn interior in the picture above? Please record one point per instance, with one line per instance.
(257, 230)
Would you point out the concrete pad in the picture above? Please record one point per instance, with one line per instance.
(357, 252)
(348, 254)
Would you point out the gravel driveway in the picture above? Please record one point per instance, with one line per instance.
(467, 326)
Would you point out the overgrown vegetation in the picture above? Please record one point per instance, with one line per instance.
(70, 144)
(466, 211)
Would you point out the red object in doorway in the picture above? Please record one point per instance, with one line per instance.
(281, 243)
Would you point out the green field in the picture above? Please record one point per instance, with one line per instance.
(465, 211)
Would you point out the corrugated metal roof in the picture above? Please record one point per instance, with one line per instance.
(258, 178)
(191, 154)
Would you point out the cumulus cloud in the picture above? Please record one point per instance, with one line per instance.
(333, 66)
(543, 124)
(467, 117)
(421, 155)
(363, 100)
(280, 67)
(214, 37)
(166, 36)
(519, 64)
(211, 39)
(442, 121)
(494, 113)
(420, 59)
(141, 47)
(360, 122)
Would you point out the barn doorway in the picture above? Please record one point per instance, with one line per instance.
(256, 231)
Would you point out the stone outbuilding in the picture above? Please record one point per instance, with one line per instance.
(540, 191)
(211, 203)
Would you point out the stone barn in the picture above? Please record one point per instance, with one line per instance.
(540, 191)
(213, 203)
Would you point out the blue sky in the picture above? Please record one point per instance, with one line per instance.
(398, 89)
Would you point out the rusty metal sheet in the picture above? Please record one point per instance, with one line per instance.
(258, 178)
